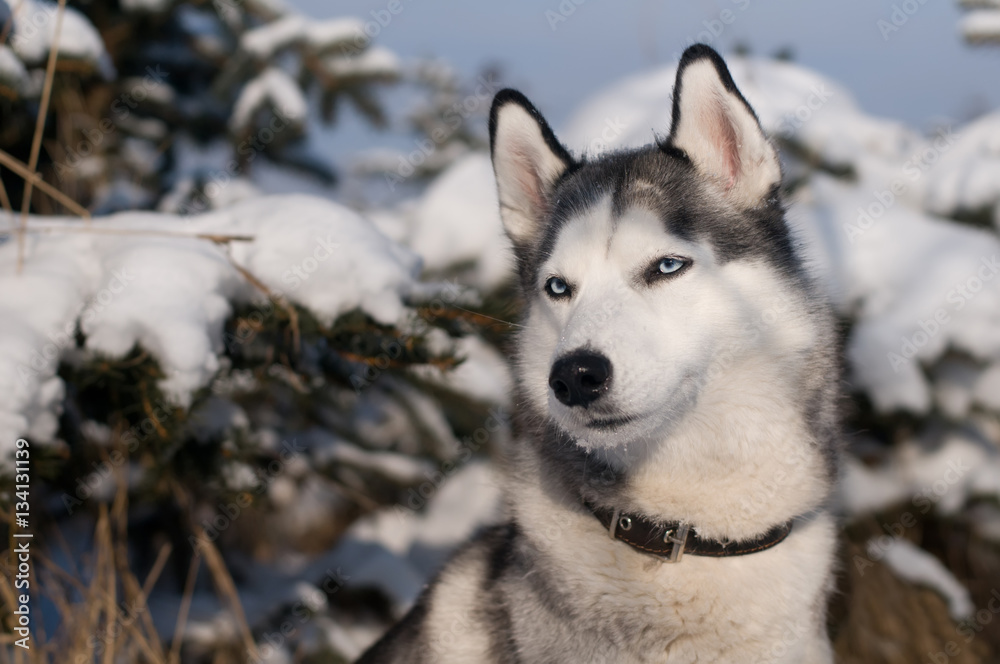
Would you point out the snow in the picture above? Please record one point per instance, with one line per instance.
(416, 543)
(909, 277)
(981, 25)
(400, 468)
(272, 86)
(126, 290)
(12, 71)
(458, 221)
(921, 476)
(264, 40)
(792, 103)
(374, 62)
(967, 175)
(325, 35)
(919, 567)
(237, 189)
(292, 29)
(34, 31)
(484, 373)
(922, 293)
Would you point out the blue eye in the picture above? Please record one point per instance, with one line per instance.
(665, 268)
(556, 287)
(670, 265)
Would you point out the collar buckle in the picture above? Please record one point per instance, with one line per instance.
(678, 537)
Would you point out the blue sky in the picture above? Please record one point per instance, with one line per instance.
(921, 73)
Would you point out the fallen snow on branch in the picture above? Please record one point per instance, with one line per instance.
(172, 295)
(35, 28)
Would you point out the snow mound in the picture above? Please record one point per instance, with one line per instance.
(918, 286)
(966, 178)
(123, 289)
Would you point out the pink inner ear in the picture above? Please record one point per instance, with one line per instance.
(721, 134)
(528, 181)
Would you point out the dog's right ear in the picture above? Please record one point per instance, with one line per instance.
(527, 161)
(714, 126)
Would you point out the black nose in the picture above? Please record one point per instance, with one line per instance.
(579, 378)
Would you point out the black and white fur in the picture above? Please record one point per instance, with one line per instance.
(672, 262)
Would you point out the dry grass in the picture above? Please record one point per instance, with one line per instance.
(880, 618)
(102, 605)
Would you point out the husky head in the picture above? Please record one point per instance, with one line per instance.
(654, 275)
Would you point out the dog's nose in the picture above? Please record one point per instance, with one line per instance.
(578, 379)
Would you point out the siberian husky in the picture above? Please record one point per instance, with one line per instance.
(667, 496)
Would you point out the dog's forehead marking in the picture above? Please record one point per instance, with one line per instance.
(602, 233)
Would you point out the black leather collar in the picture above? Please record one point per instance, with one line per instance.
(674, 539)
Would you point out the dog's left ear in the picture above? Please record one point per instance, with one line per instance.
(527, 161)
(716, 128)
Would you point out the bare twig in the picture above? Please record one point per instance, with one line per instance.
(223, 580)
(5, 199)
(280, 300)
(217, 238)
(36, 140)
(36, 180)
(182, 614)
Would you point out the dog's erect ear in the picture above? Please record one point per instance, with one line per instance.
(527, 161)
(714, 125)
